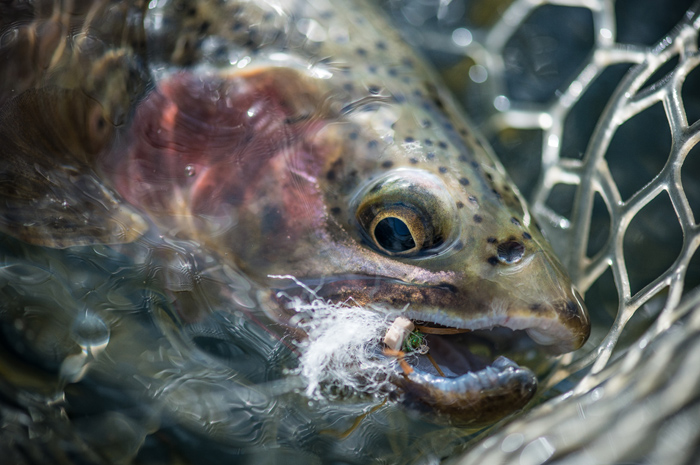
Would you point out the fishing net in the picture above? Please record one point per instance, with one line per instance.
(593, 108)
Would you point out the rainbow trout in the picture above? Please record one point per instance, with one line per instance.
(303, 139)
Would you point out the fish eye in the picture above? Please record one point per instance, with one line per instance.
(406, 215)
(398, 228)
(392, 234)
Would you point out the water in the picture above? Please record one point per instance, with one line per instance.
(156, 351)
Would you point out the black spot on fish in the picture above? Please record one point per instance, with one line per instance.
(442, 169)
(430, 155)
(353, 135)
(442, 145)
(475, 165)
(489, 177)
(460, 205)
(392, 72)
(409, 139)
(515, 221)
(428, 142)
(372, 69)
(535, 306)
(399, 98)
(463, 131)
(372, 144)
(478, 219)
(387, 164)
(464, 181)
(473, 199)
(374, 90)
(493, 260)
(330, 175)
(407, 62)
(526, 235)
(335, 210)
(381, 45)
(426, 123)
(272, 220)
(496, 193)
(459, 245)
(463, 158)
(417, 93)
(348, 86)
(413, 161)
(491, 240)
(361, 51)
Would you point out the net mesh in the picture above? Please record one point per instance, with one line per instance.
(607, 94)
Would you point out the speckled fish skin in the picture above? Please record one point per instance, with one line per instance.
(330, 124)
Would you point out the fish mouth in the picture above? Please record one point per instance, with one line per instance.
(469, 377)
(470, 370)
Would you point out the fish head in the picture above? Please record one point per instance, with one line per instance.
(444, 234)
(270, 168)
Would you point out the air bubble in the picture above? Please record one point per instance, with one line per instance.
(90, 332)
(478, 74)
(190, 170)
(462, 37)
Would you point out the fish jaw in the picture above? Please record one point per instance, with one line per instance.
(476, 398)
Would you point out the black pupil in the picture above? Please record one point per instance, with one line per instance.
(393, 235)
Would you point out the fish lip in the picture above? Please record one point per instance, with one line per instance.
(552, 334)
(475, 398)
(557, 337)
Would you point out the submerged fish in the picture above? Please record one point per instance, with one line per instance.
(306, 139)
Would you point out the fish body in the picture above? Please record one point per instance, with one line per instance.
(306, 139)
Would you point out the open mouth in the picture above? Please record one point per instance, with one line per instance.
(461, 372)
(472, 370)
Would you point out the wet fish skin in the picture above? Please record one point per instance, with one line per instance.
(316, 154)
(290, 160)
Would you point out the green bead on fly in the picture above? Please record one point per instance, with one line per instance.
(414, 341)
